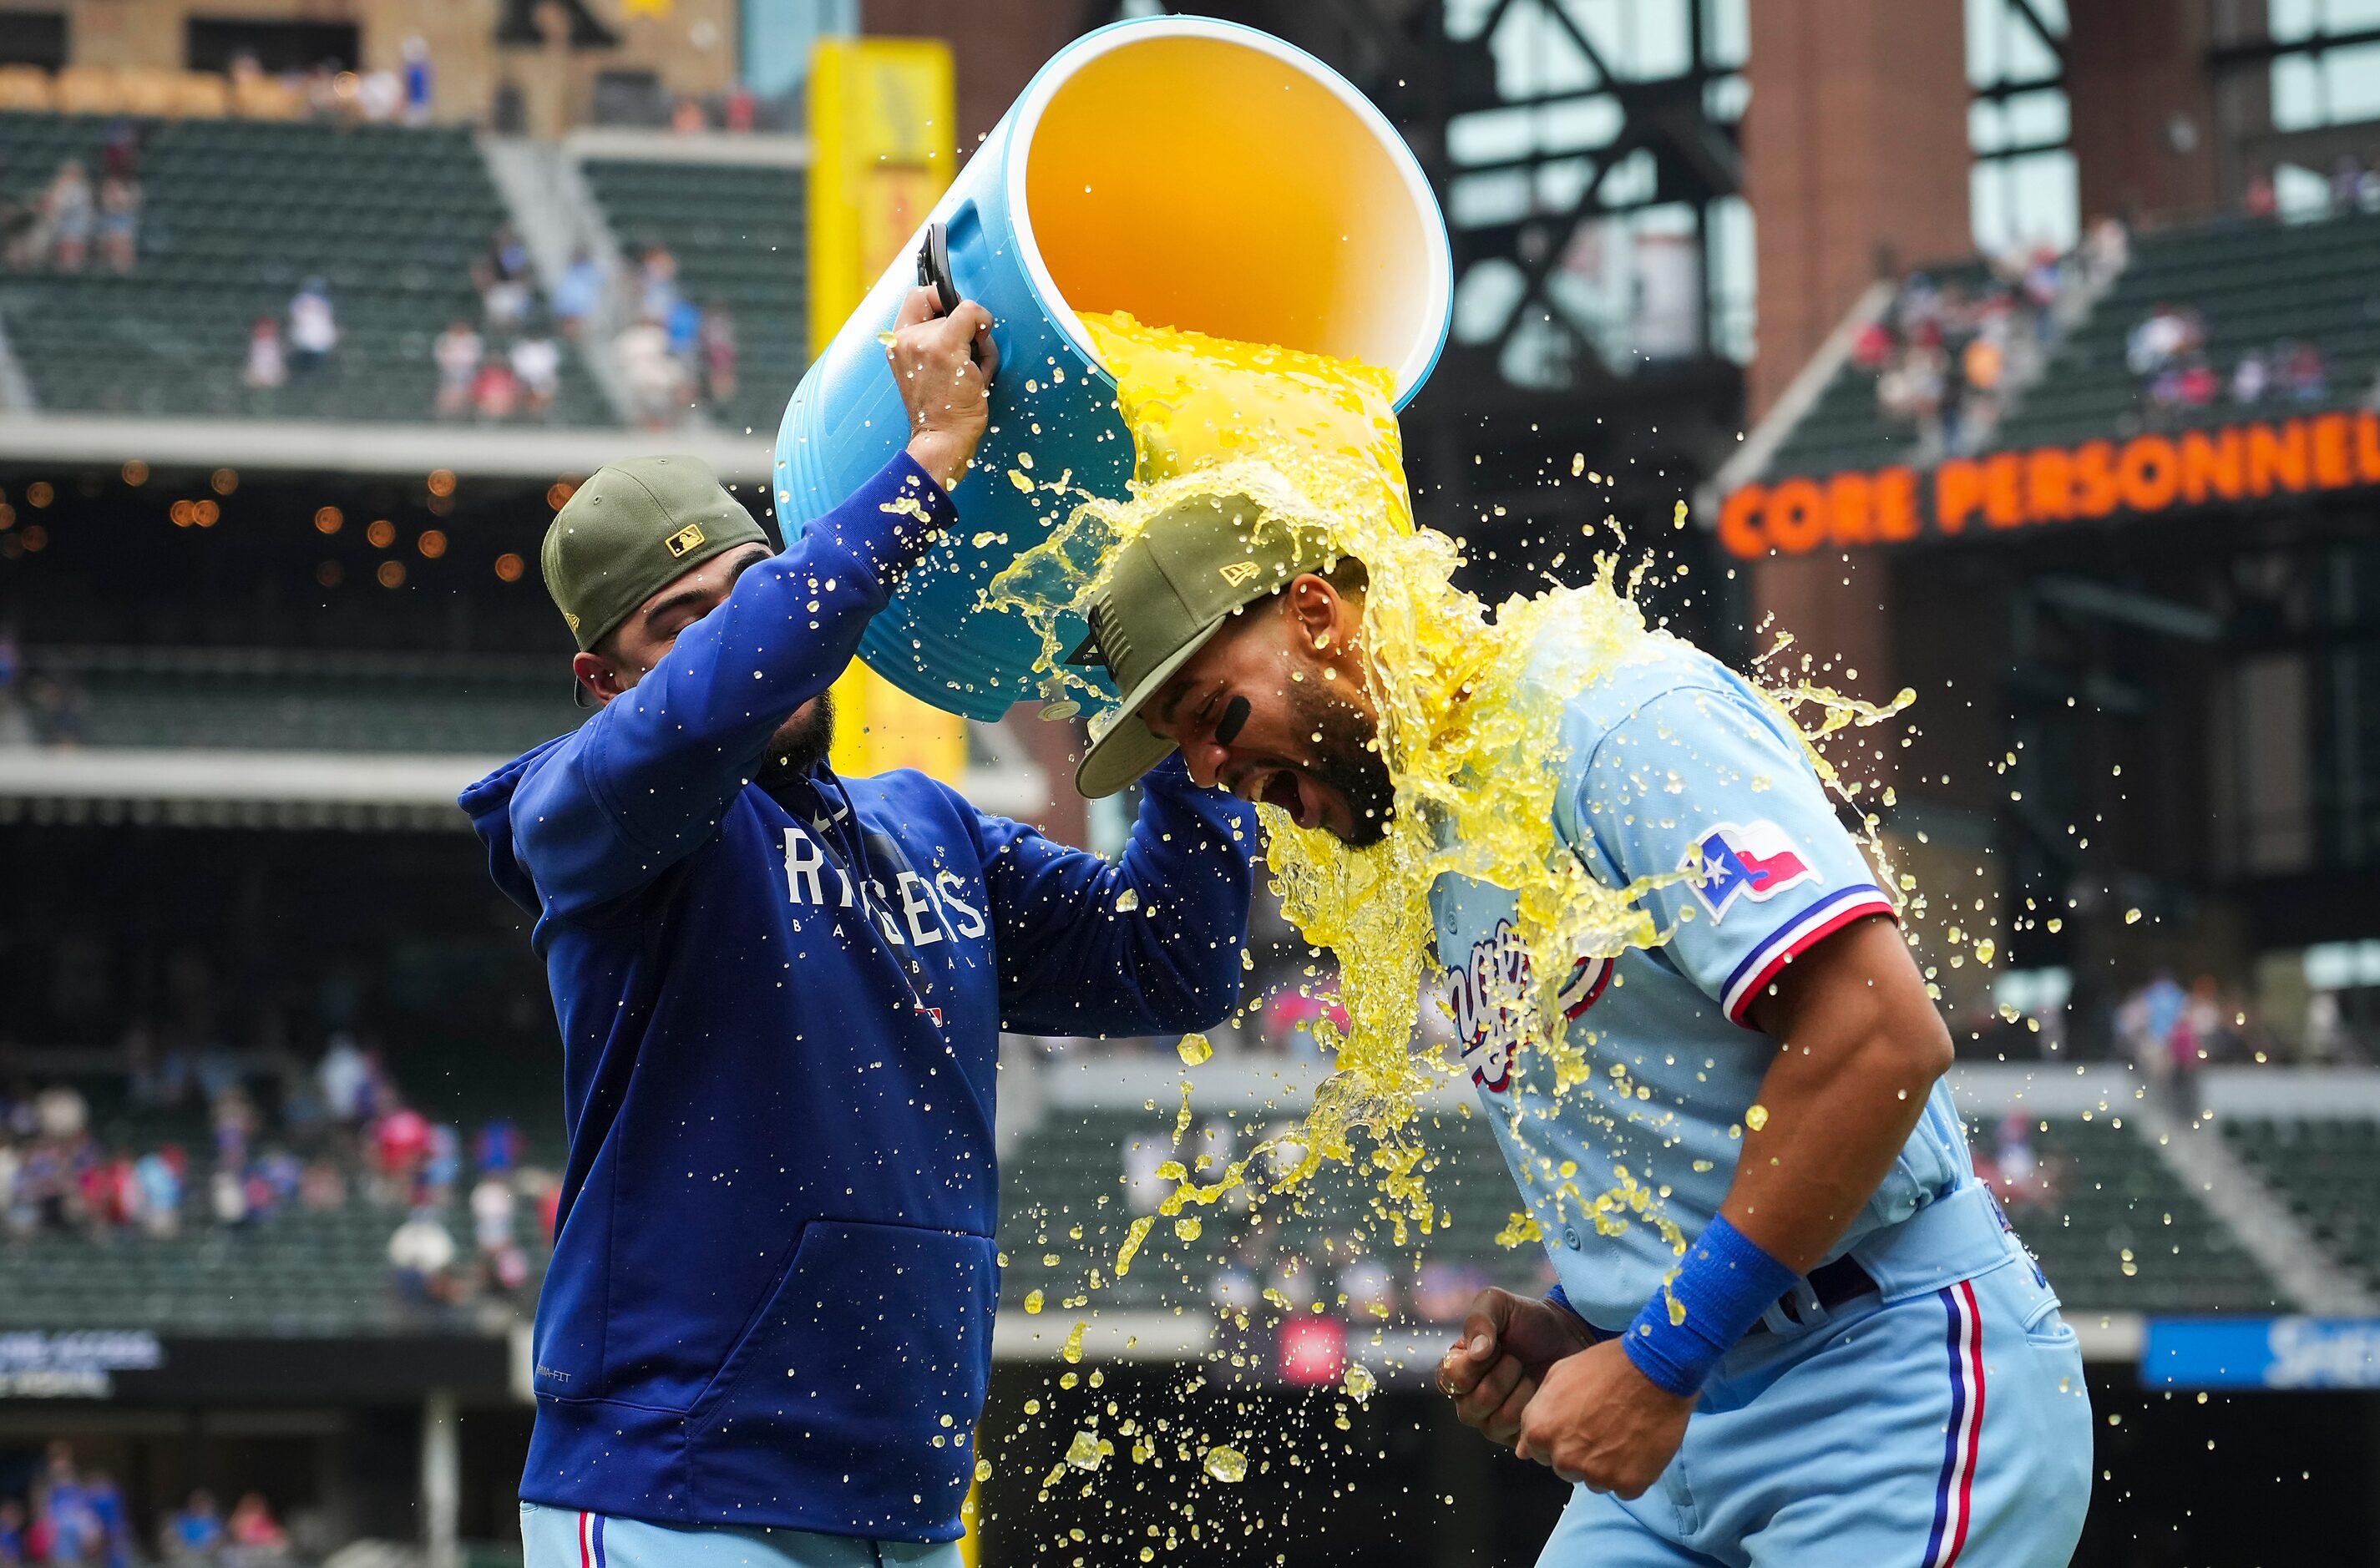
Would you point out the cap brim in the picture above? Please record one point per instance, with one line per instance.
(1130, 747)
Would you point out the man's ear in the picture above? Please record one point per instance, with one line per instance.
(598, 675)
(1317, 613)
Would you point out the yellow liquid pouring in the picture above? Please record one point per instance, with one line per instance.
(1315, 440)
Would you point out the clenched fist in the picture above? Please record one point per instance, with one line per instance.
(945, 365)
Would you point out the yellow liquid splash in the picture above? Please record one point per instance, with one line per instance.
(1314, 441)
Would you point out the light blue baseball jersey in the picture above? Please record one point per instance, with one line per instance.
(1668, 761)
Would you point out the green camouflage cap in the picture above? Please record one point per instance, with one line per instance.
(631, 530)
(1164, 594)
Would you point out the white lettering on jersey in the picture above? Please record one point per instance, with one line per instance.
(920, 907)
(950, 884)
(916, 902)
(803, 861)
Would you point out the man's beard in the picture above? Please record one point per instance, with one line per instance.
(1347, 759)
(800, 743)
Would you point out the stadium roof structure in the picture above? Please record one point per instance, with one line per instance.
(2082, 441)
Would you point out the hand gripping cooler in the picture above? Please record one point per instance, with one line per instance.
(1195, 173)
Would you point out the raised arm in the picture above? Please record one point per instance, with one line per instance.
(649, 777)
(1146, 946)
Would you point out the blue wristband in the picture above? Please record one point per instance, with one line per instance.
(1725, 1282)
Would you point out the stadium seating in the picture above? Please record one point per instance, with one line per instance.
(237, 215)
(154, 700)
(2329, 1171)
(2115, 1231)
(300, 1272)
(1842, 429)
(2254, 283)
(739, 234)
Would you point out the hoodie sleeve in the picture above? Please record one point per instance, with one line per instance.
(1150, 944)
(648, 779)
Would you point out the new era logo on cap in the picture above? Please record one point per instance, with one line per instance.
(1239, 572)
(686, 538)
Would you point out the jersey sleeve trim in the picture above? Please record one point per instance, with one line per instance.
(1804, 931)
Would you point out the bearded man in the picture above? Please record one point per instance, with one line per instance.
(1806, 1335)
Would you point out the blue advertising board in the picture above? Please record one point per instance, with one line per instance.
(2262, 1352)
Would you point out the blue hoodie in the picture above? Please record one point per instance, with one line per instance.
(773, 1277)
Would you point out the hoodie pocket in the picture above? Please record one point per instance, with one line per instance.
(860, 1382)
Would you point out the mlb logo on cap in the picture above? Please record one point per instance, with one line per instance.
(1756, 862)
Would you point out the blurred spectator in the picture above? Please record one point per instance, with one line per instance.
(2146, 1023)
(537, 365)
(401, 1141)
(2107, 250)
(119, 223)
(345, 1074)
(503, 1267)
(104, 1500)
(688, 118)
(159, 1173)
(15, 1213)
(119, 155)
(68, 216)
(228, 1195)
(716, 350)
(252, 1534)
(2250, 379)
(655, 381)
(504, 275)
(456, 354)
(580, 293)
(2345, 183)
(1369, 1289)
(2015, 1151)
(742, 110)
(236, 1122)
(313, 327)
(379, 97)
(62, 1517)
(495, 391)
(2303, 374)
(12, 1533)
(1872, 350)
(420, 80)
(657, 293)
(442, 1166)
(497, 1150)
(60, 1113)
(685, 324)
(267, 366)
(421, 1252)
(2164, 335)
(2263, 199)
(194, 1532)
